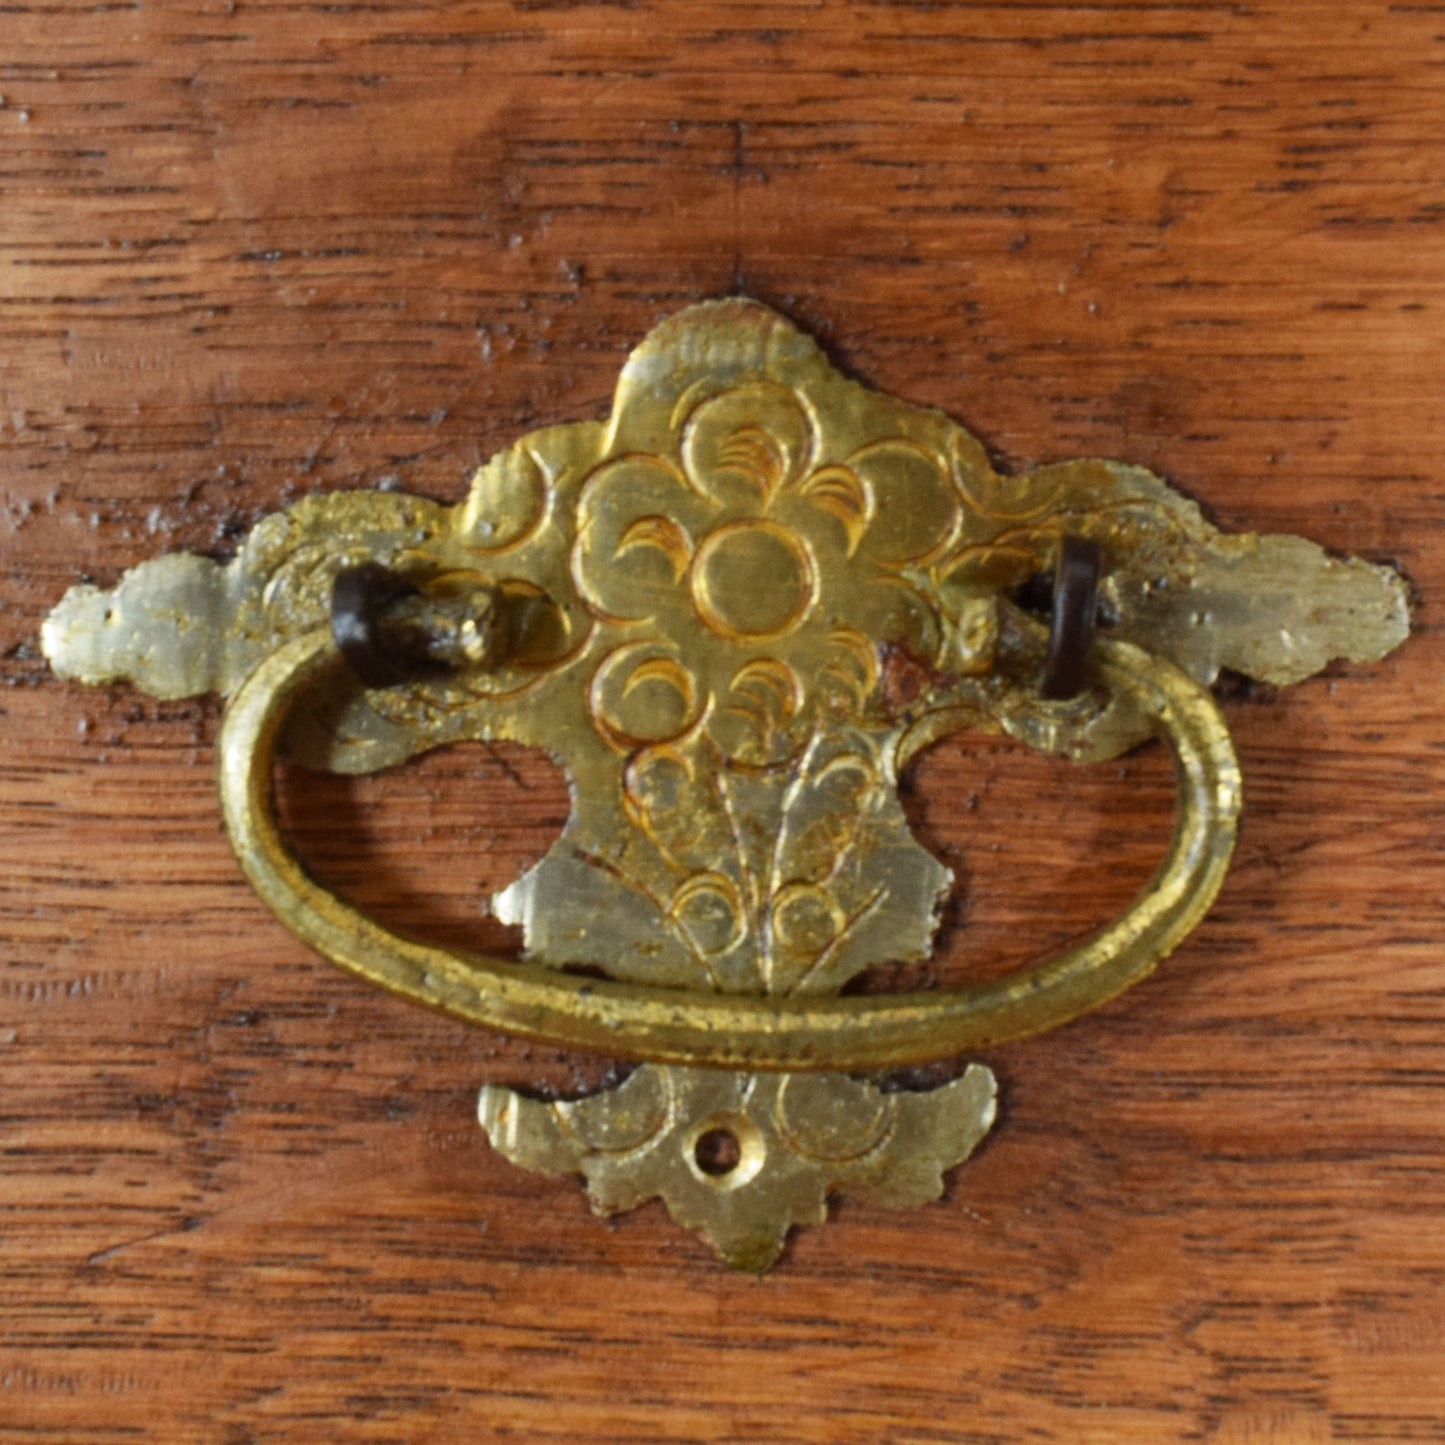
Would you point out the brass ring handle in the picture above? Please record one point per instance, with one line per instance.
(745, 1031)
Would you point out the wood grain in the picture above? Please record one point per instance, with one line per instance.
(250, 250)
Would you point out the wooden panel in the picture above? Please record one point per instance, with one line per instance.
(252, 250)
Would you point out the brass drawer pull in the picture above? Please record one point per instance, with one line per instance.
(735, 611)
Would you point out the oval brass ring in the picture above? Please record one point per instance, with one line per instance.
(736, 1031)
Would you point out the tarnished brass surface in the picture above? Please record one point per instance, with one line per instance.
(734, 612)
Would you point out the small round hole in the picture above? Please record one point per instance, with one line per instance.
(718, 1152)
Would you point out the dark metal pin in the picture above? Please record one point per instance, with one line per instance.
(390, 631)
(1075, 612)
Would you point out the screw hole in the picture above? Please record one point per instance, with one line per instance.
(718, 1152)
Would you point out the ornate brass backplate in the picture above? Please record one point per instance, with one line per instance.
(734, 611)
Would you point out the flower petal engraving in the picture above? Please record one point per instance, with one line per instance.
(746, 444)
(635, 516)
(841, 492)
(642, 695)
(665, 535)
(917, 511)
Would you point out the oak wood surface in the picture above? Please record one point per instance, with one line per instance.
(251, 250)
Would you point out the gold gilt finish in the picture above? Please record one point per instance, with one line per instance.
(734, 612)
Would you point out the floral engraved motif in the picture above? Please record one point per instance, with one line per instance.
(746, 568)
(782, 877)
(754, 572)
